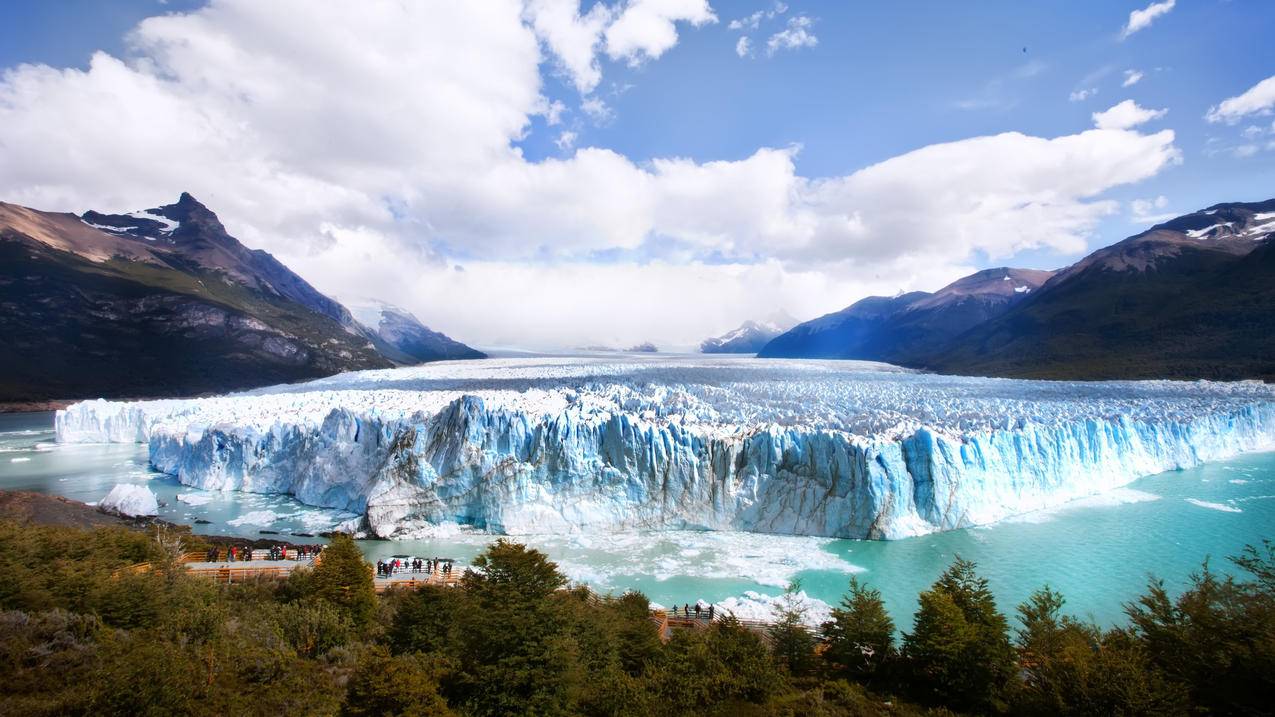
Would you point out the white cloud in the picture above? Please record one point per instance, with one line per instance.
(598, 110)
(566, 140)
(1131, 78)
(1246, 150)
(794, 36)
(753, 21)
(1125, 115)
(553, 112)
(1082, 95)
(636, 31)
(1258, 99)
(1141, 19)
(234, 102)
(573, 38)
(1150, 211)
(645, 29)
(742, 47)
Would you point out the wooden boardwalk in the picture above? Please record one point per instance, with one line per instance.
(228, 573)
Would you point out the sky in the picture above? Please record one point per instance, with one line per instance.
(554, 173)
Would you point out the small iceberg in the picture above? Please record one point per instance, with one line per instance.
(130, 500)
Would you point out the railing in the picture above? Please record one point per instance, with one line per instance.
(231, 575)
(416, 580)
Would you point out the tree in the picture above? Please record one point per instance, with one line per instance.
(959, 646)
(515, 654)
(860, 633)
(1217, 638)
(425, 618)
(791, 642)
(715, 668)
(384, 685)
(344, 578)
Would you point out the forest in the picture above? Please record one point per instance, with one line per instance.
(82, 634)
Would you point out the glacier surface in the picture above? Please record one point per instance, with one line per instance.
(600, 444)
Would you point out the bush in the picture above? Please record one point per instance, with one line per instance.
(313, 627)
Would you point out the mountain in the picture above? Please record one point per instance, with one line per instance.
(904, 328)
(160, 302)
(400, 336)
(1193, 297)
(750, 337)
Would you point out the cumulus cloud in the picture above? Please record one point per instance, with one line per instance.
(1125, 115)
(1131, 78)
(646, 29)
(743, 47)
(412, 169)
(1142, 19)
(797, 34)
(1258, 99)
(1082, 95)
(637, 31)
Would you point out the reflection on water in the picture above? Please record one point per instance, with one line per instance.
(1097, 552)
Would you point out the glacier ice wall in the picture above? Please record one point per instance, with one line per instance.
(814, 448)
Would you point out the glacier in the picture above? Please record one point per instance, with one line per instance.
(602, 444)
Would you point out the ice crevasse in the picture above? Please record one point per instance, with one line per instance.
(839, 449)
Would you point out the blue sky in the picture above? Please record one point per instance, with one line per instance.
(659, 190)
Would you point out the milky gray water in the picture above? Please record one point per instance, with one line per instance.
(1097, 552)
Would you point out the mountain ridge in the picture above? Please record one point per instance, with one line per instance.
(159, 302)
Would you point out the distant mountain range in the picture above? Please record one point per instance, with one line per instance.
(403, 338)
(1190, 298)
(164, 302)
(750, 337)
(904, 329)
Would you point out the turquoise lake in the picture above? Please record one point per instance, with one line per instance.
(1098, 552)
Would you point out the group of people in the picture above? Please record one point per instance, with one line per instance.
(698, 612)
(274, 552)
(387, 568)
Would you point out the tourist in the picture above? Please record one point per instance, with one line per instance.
(697, 610)
(710, 613)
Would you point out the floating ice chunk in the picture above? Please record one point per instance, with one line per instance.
(194, 498)
(130, 500)
(23, 459)
(766, 608)
(1214, 506)
(256, 517)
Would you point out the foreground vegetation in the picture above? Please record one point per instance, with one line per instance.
(78, 635)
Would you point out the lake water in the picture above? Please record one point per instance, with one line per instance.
(1098, 552)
